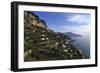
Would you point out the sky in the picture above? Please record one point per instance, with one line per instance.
(66, 22)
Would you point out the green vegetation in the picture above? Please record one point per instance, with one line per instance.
(41, 43)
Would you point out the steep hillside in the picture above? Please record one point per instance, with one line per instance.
(41, 43)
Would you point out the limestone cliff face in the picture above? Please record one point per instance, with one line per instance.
(33, 19)
(41, 43)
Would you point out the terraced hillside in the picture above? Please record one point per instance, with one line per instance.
(41, 43)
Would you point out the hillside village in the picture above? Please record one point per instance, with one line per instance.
(41, 43)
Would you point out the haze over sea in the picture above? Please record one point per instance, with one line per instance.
(70, 22)
(83, 43)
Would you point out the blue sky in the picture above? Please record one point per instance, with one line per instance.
(66, 22)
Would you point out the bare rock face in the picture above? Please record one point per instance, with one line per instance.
(41, 43)
(33, 19)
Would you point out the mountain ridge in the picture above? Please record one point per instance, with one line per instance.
(41, 43)
(71, 34)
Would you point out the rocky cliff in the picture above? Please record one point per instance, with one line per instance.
(41, 43)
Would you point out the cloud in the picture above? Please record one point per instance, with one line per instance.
(77, 29)
(79, 18)
(78, 23)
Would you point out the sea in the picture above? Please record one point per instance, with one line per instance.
(83, 43)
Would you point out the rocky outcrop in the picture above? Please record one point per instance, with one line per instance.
(33, 19)
(41, 43)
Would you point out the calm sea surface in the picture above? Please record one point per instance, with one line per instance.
(83, 43)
